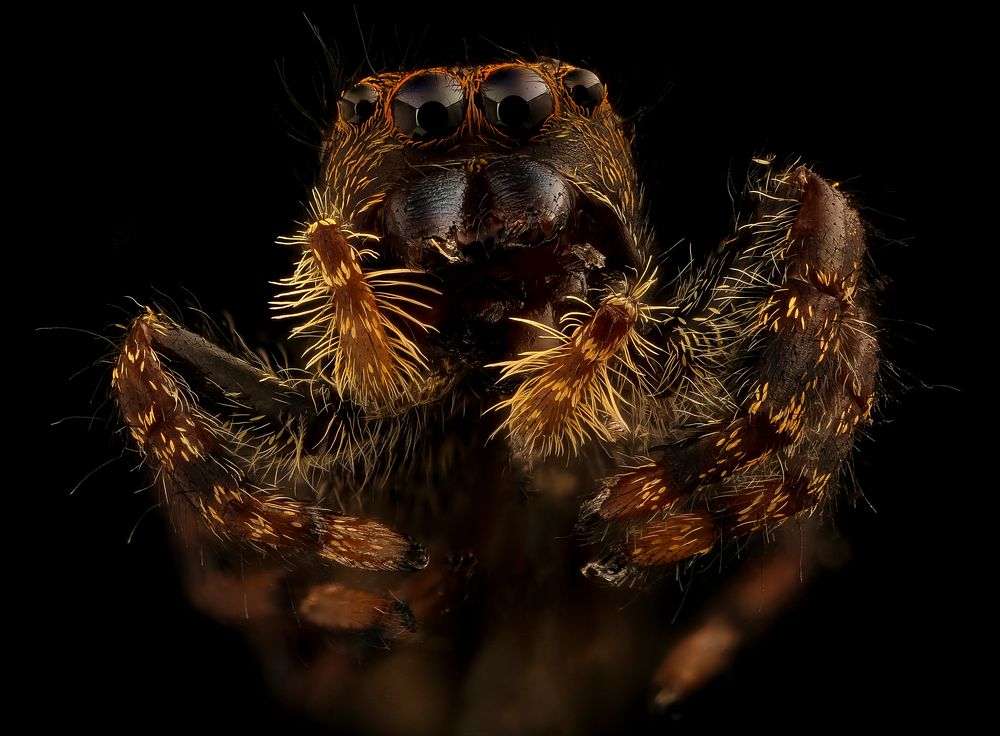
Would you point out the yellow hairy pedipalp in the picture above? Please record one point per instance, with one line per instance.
(573, 391)
(348, 314)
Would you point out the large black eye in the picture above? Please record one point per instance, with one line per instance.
(517, 99)
(429, 105)
(584, 87)
(357, 104)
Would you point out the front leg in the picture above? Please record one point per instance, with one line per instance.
(198, 456)
(796, 369)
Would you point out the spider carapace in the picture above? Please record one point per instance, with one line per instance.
(506, 405)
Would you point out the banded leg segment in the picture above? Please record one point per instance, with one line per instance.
(798, 401)
(196, 457)
(654, 488)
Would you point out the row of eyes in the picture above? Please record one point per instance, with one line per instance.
(431, 105)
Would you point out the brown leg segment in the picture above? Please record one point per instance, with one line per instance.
(341, 608)
(194, 456)
(762, 590)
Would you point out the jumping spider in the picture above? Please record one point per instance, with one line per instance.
(501, 386)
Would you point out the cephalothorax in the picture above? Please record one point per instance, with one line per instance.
(503, 384)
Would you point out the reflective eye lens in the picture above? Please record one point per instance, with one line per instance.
(584, 87)
(517, 99)
(357, 104)
(429, 105)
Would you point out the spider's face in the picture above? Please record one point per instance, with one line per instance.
(512, 184)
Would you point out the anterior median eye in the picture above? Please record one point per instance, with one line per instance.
(429, 105)
(357, 104)
(584, 87)
(516, 99)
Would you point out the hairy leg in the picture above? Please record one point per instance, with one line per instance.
(197, 458)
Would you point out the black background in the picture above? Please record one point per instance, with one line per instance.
(164, 164)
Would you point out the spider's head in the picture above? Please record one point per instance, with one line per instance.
(511, 183)
(464, 213)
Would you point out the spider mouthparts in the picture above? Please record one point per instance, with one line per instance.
(453, 215)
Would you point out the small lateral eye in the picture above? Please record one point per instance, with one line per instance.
(584, 87)
(358, 103)
(429, 105)
(516, 99)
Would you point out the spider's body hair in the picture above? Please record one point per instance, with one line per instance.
(608, 176)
